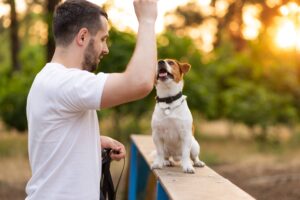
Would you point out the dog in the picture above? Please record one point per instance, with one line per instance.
(172, 121)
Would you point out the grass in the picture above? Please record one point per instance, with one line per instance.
(12, 145)
(215, 151)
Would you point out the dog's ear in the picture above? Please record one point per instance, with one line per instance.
(185, 67)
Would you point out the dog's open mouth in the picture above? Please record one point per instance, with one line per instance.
(163, 74)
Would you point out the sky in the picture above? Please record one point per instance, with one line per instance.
(122, 13)
(286, 29)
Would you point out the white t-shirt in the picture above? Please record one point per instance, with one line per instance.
(64, 139)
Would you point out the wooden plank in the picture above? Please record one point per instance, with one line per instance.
(204, 184)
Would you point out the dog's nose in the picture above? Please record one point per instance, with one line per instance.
(161, 62)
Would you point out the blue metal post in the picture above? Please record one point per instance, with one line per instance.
(138, 175)
(160, 192)
(132, 173)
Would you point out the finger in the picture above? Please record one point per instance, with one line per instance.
(118, 156)
(116, 149)
(120, 153)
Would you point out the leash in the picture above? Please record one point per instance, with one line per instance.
(106, 184)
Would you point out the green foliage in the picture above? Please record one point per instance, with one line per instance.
(13, 102)
(256, 86)
(254, 104)
(15, 86)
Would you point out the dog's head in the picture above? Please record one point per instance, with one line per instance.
(170, 70)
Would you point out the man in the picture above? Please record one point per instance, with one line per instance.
(64, 140)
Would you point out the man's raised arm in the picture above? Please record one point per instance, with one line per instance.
(138, 79)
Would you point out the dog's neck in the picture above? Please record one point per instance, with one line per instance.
(164, 90)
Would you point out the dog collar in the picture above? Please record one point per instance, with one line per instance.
(170, 99)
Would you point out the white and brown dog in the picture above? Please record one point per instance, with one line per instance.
(172, 121)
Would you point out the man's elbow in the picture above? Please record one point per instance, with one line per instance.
(145, 88)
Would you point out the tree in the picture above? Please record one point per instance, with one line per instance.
(49, 18)
(14, 39)
(229, 26)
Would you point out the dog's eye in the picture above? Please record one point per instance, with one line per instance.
(171, 62)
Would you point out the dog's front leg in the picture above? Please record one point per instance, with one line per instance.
(186, 150)
(158, 162)
(195, 151)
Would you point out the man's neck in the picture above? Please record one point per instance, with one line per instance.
(67, 57)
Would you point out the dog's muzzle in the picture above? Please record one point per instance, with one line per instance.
(162, 72)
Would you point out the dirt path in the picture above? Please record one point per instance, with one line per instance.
(14, 173)
(265, 178)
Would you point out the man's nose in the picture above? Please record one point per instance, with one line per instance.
(105, 50)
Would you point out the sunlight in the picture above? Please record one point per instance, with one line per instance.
(221, 8)
(252, 24)
(288, 27)
(4, 9)
(38, 33)
(122, 13)
(204, 2)
(21, 6)
(286, 36)
(204, 34)
(273, 3)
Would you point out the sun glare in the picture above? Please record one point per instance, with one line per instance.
(122, 13)
(273, 3)
(221, 8)
(204, 2)
(252, 24)
(288, 27)
(4, 9)
(285, 31)
(286, 36)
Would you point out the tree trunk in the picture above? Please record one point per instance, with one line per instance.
(49, 18)
(14, 39)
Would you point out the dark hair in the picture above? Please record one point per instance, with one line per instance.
(71, 16)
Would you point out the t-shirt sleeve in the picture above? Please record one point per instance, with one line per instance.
(84, 91)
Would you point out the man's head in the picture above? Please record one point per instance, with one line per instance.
(84, 24)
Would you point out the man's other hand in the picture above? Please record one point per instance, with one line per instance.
(118, 150)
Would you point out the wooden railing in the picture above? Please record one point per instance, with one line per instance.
(171, 182)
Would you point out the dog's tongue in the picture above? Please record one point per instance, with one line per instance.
(164, 74)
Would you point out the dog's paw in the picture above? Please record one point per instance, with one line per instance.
(169, 163)
(199, 164)
(157, 166)
(189, 170)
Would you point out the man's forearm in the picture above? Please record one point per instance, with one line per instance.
(144, 59)
(138, 79)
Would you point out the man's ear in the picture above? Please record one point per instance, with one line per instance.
(81, 36)
(185, 67)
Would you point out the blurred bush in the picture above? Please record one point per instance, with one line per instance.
(15, 86)
(13, 102)
(252, 86)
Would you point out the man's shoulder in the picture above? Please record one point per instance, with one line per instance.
(57, 75)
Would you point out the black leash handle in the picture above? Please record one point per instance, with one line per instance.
(106, 184)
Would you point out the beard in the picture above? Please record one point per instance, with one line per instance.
(90, 59)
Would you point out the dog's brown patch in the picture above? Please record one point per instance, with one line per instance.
(178, 69)
(178, 75)
(185, 67)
